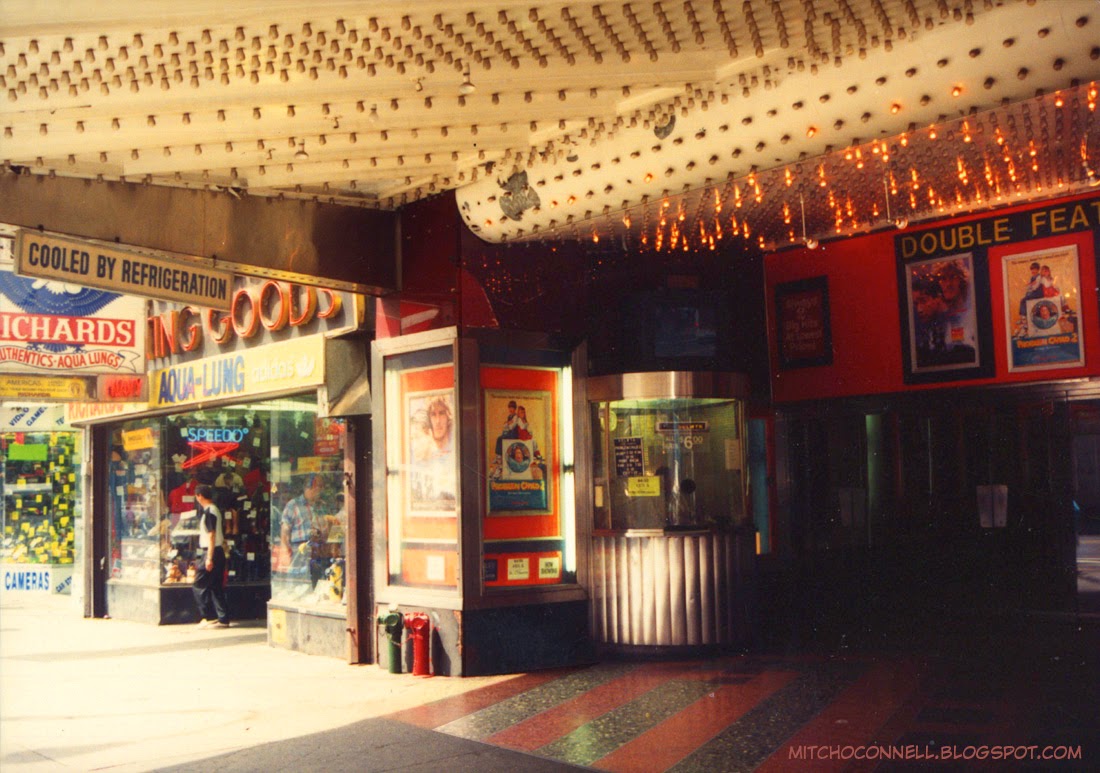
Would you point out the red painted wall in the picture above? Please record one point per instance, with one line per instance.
(864, 313)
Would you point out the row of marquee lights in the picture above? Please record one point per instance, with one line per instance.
(905, 191)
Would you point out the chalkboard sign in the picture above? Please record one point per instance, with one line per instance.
(628, 457)
(802, 318)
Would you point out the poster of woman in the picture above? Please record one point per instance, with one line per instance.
(516, 436)
(432, 476)
(1042, 292)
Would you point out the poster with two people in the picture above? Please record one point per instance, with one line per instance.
(1042, 300)
(516, 422)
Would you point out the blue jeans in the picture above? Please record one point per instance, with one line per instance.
(209, 589)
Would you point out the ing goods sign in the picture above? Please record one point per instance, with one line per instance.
(51, 328)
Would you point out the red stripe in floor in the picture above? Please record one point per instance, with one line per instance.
(552, 724)
(665, 744)
(853, 719)
(433, 715)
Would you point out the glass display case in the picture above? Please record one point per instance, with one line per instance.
(39, 475)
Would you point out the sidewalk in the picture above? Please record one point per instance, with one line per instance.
(83, 695)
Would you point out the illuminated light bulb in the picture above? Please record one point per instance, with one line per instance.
(895, 108)
(956, 91)
(811, 131)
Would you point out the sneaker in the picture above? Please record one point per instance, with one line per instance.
(218, 624)
(206, 624)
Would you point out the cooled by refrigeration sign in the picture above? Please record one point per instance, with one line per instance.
(92, 264)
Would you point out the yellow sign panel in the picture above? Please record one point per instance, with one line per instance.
(276, 624)
(78, 412)
(14, 386)
(138, 439)
(121, 270)
(295, 364)
(309, 464)
(643, 486)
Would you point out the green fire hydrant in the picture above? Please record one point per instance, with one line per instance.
(393, 623)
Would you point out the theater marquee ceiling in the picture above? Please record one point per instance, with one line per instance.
(662, 125)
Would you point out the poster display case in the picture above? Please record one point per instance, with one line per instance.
(474, 474)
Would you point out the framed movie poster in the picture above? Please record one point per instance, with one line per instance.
(1042, 294)
(431, 452)
(802, 322)
(519, 452)
(422, 486)
(943, 308)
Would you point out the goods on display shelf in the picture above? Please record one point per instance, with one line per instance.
(40, 481)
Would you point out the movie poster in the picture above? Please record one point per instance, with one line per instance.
(517, 427)
(943, 322)
(431, 452)
(1042, 307)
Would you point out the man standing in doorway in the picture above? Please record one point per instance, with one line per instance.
(209, 587)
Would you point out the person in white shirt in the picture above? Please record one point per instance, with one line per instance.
(209, 586)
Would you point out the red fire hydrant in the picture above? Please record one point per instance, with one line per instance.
(419, 627)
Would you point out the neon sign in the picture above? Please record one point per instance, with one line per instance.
(209, 443)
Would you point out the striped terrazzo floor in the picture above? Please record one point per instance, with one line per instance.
(738, 713)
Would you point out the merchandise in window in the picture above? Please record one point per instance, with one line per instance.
(309, 510)
(39, 473)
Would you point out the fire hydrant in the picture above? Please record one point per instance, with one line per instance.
(419, 630)
(393, 623)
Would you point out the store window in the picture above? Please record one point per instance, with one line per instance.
(669, 463)
(277, 473)
(309, 510)
(39, 475)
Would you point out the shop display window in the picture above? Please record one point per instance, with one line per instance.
(154, 468)
(668, 463)
(277, 473)
(39, 476)
(309, 511)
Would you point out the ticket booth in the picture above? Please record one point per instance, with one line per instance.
(672, 543)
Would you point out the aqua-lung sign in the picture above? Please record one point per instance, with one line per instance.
(121, 270)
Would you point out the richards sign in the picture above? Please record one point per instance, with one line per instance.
(52, 328)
